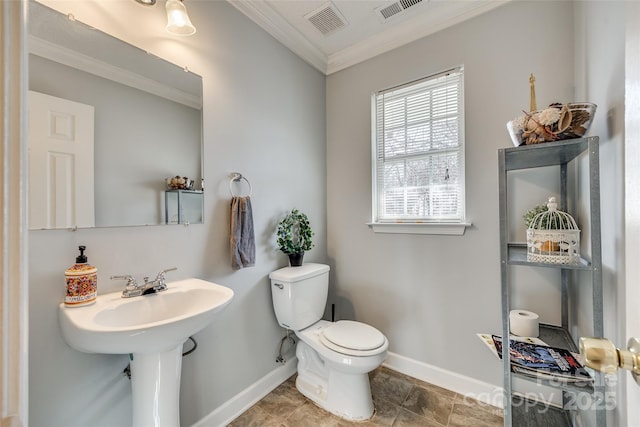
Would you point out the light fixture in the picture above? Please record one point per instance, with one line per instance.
(147, 2)
(178, 21)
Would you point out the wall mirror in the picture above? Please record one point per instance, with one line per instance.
(108, 124)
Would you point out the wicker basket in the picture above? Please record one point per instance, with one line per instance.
(553, 237)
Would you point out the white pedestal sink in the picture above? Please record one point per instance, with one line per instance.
(152, 328)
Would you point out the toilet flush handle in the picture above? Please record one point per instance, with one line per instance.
(279, 285)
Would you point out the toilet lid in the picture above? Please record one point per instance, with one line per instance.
(354, 335)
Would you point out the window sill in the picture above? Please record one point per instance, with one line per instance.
(442, 228)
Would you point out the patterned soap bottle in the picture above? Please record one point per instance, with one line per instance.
(82, 282)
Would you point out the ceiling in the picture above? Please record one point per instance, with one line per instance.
(334, 34)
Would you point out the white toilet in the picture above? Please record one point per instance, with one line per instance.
(333, 358)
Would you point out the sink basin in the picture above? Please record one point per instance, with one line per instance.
(152, 329)
(143, 324)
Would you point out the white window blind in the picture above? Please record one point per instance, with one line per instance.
(419, 150)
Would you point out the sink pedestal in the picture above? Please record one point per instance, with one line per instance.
(152, 328)
(155, 388)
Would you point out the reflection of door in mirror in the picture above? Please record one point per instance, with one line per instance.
(61, 134)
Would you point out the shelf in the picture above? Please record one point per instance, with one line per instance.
(576, 387)
(518, 256)
(556, 336)
(185, 191)
(529, 413)
(547, 154)
(519, 412)
(184, 206)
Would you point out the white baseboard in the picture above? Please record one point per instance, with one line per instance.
(238, 404)
(479, 390)
(234, 407)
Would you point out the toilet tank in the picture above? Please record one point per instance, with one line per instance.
(300, 294)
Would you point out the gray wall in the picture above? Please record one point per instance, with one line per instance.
(431, 294)
(600, 74)
(600, 78)
(264, 116)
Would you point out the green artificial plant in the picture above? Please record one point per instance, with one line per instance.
(548, 222)
(294, 233)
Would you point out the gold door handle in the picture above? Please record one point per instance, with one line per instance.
(600, 354)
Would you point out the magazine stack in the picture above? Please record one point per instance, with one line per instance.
(541, 361)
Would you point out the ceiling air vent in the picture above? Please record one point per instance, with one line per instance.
(395, 8)
(327, 19)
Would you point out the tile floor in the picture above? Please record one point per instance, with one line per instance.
(400, 401)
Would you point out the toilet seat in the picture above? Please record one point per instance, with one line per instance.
(353, 338)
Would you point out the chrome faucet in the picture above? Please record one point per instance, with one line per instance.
(134, 289)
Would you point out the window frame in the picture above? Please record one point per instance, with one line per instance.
(420, 225)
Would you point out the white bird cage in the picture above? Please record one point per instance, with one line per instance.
(553, 237)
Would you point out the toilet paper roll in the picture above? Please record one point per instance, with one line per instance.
(524, 323)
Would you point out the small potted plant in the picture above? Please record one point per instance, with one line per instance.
(294, 236)
(547, 222)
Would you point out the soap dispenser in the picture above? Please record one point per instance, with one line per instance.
(82, 282)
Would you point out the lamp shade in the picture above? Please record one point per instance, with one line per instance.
(178, 21)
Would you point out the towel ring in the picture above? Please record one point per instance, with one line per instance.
(236, 176)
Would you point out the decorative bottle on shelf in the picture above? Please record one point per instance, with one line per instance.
(82, 282)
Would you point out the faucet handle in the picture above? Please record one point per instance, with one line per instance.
(131, 281)
(161, 279)
(168, 270)
(163, 272)
(127, 277)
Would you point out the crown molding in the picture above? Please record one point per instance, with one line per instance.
(270, 21)
(70, 58)
(417, 28)
(420, 26)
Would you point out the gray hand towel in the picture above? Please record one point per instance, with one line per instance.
(242, 241)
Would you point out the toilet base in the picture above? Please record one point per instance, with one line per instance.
(343, 394)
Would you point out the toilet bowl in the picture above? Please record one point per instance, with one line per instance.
(334, 358)
(335, 377)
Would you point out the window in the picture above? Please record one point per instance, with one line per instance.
(419, 152)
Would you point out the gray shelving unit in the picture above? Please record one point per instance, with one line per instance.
(512, 255)
(183, 207)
